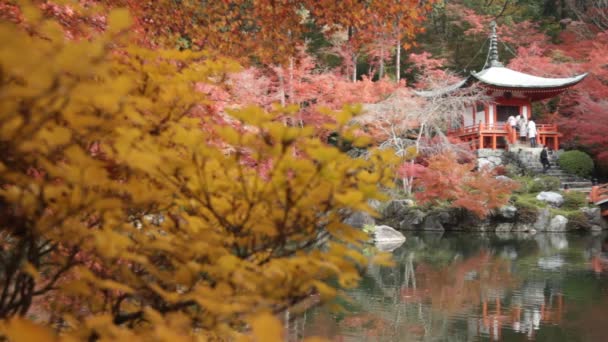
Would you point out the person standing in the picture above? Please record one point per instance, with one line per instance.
(544, 159)
(523, 130)
(512, 122)
(532, 132)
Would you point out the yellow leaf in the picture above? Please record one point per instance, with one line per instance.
(326, 291)
(118, 20)
(315, 339)
(31, 270)
(19, 329)
(11, 126)
(112, 285)
(266, 328)
(31, 13)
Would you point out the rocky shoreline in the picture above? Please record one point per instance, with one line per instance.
(404, 215)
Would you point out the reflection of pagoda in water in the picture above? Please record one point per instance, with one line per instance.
(437, 291)
(533, 304)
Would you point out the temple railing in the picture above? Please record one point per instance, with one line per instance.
(498, 127)
(599, 196)
(547, 134)
(546, 128)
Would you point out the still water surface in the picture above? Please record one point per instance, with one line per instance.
(477, 287)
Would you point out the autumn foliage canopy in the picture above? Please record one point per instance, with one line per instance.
(122, 219)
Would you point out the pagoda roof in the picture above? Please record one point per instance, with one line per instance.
(499, 77)
(503, 77)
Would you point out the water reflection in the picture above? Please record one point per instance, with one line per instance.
(469, 287)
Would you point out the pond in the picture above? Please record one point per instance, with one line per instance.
(476, 287)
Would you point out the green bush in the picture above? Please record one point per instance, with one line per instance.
(527, 207)
(577, 220)
(534, 185)
(576, 162)
(574, 200)
(544, 183)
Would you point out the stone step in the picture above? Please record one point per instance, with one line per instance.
(583, 190)
(578, 184)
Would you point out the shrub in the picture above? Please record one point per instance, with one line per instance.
(574, 200)
(527, 207)
(577, 220)
(576, 162)
(544, 183)
(533, 185)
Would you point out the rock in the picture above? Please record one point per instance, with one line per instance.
(484, 163)
(396, 209)
(432, 222)
(504, 178)
(375, 204)
(359, 219)
(412, 219)
(595, 218)
(508, 212)
(522, 227)
(504, 227)
(543, 220)
(385, 234)
(596, 228)
(557, 224)
(388, 246)
(551, 197)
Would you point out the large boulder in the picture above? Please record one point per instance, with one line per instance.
(412, 219)
(503, 178)
(387, 238)
(543, 220)
(595, 218)
(433, 222)
(507, 212)
(395, 210)
(504, 227)
(359, 219)
(557, 224)
(523, 227)
(553, 198)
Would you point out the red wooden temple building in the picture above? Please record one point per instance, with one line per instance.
(511, 93)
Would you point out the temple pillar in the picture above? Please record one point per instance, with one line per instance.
(493, 141)
(555, 143)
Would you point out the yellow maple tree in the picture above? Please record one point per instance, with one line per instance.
(121, 219)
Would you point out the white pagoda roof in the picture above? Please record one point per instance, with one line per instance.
(504, 77)
(497, 75)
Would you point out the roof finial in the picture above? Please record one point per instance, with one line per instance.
(493, 54)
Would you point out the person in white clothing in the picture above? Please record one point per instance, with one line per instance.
(532, 133)
(523, 130)
(512, 122)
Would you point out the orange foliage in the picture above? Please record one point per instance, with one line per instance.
(458, 183)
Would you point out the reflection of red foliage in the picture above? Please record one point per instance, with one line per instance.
(413, 295)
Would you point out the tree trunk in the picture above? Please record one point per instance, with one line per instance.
(290, 84)
(281, 88)
(381, 71)
(354, 67)
(398, 61)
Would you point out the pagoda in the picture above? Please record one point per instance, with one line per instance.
(512, 93)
